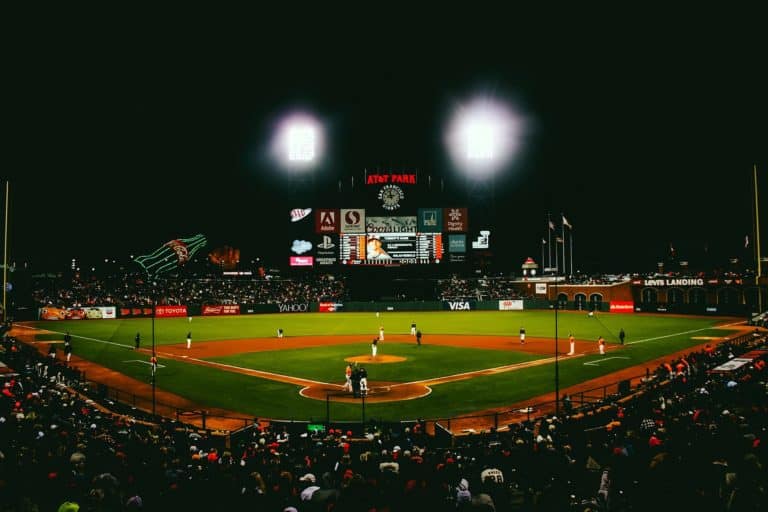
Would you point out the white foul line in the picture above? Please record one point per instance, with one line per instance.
(598, 361)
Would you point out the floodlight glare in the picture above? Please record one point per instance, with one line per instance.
(483, 136)
(301, 143)
(297, 141)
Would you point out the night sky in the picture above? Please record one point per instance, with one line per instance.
(641, 138)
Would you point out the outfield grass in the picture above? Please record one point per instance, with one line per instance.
(106, 342)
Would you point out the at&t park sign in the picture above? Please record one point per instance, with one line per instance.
(384, 179)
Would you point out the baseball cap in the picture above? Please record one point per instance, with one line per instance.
(309, 477)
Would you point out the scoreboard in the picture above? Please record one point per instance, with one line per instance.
(390, 248)
(385, 224)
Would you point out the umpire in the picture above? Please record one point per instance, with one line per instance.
(356, 381)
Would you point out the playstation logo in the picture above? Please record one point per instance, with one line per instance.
(327, 244)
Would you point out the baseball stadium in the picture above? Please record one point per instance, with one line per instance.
(285, 294)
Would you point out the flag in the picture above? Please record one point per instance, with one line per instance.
(566, 223)
(746, 241)
(543, 242)
(551, 225)
(559, 240)
(171, 254)
(671, 249)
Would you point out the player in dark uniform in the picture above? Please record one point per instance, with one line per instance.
(622, 335)
(522, 335)
(418, 338)
(356, 381)
(137, 341)
(67, 349)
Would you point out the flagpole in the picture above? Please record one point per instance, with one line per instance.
(549, 238)
(757, 229)
(5, 252)
(565, 270)
(571, 231)
(543, 242)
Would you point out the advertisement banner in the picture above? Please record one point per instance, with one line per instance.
(326, 250)
(87, 313)
(430, 220)
(221, 309)
(302, 261)
(622, 306)
(327, 221)
(456, 220)
(293, 308)
(459, 305)
(135, 312)
(352, 220)
(391, 224)
(457, 243)
(330, 307)
(541, 288)
(510, 305)
(167, 311)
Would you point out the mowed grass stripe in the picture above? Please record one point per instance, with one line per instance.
(326, 364)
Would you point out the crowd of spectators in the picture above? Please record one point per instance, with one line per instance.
(133, 289)
(691, 438)
(485, 288)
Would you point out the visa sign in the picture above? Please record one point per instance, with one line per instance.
(457, 305)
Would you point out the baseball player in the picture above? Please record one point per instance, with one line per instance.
(374, 347)
(622, 335)
(522, 335)
(348, 377)
(601, 344)
(381, 333)
(137, 341)
(189, 340)
(572, 343)
(67, 349)
(418, 338)
(363, 381)
(413, 328)
(280, 333)
(153, 363)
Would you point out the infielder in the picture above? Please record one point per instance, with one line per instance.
(189, 340)
(280, 333)
(572, 343)
(413, 328)
(381, 333)
(601, 344)
(374, 347)
(522, 335)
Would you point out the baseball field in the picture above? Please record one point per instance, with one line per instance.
(468, 361)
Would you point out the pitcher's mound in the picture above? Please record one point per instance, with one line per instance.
(375, 360)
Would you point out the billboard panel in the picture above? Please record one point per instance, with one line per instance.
(327, 221)
(622, 306)
(456, 220)
(510, 305)
(390, 224)
(301, 261)
(221, 309)
(430, 220)
(352, 220)
(457, 243)
(166, 311)
(326, 250)
(86, 313)
(330, 307)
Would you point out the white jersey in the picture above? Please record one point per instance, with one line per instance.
(492, 474)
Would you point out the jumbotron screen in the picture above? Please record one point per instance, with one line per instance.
(390, 248)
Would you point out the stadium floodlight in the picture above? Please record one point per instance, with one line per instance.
(297, 142)
(483, 136)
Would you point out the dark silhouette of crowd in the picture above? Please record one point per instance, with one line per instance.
(486, 288)
(134, 289)
(689, 437)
